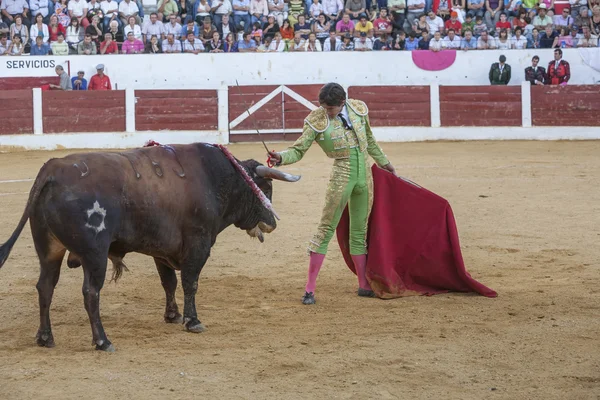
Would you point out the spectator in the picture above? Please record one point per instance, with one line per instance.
(153, 46)
(100, 81)
(513, 8)
(454, 23)
(534, 74)
(190, 27)
(192, 45)
(74, 35)
(226, 26)
(201, 11)
(559, 70)
(424, 42)
(363, 43)
(469, 42)
(93, 7)
(39, 29)
(578, 7)
(476, 8)
(312, 44)
(132, 45)
(332, 43)
(435, 23)
(321, 28)
(270, 27)
(416, 8)
(564, 19)
(214, 45)
(503, 23)
(297, 44)
(78, 9)
(296, 9)
(4, 44)
(363, 26)
(485, 42)
(355, 8)
(563, 39)
(110, 10)
(397, 10)
(479, 28)
(277, 7)
(587, 39)
(116, 32)
(40, 7)
(65, 81)
(534, 41)
(333, 9)
(18, 28)
(436, 43)
(287, 32)
(520, 20)
(230, 44)
(94, 30)
(315, 9)
(503, 41)
(40, 48)
(60, 47)
(277, 44)
(468, 25)
(595, 20)
(421, 25)
(542, 20)
(55, 28)
(443, 9)
(257, 32)
(241, 13)
(547, 37)
(347, 43)
(519, 41)
(12, 9)
(184, 11)
(109, 46)
(128, 8)
(164, 9)
(452, 41)
(155, 27)
(170, 45)
(529, 6)
(16, 47)
(382, 25)
(382, 43)
(61, 9)
(219, 8)
(87, 47)
(492, 15)
(500, 72)
(412, 43)
(172, 27)
(399, 42)
(206, 31)
(341, 27)
(259, 9)
(79, 82)
(4, 29)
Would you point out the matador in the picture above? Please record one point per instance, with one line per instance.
(341, 128)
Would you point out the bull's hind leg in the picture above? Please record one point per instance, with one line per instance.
(190, 272)
(168, 279)
(94, 274)
(51, 253)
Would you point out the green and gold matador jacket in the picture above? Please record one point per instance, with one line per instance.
(333, 138)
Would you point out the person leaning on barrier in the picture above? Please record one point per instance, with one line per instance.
(65, 81)
(500, 72)
(535, 75)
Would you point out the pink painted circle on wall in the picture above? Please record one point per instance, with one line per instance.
(433, 61)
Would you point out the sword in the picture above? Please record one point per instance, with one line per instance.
(269, 163)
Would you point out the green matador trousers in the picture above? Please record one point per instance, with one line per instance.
(351, 184)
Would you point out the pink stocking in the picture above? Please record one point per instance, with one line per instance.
(316, 260)
(360, 263)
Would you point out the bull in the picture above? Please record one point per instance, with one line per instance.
(167, 202)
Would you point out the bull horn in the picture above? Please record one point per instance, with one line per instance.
(266, 172)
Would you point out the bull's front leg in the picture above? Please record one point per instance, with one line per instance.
(168, 279)
(193, 263)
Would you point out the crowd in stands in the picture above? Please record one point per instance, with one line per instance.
(65, 27)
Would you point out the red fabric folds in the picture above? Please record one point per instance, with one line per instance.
(413, 242)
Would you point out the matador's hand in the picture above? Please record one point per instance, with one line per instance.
(275, 158)
(390, 168)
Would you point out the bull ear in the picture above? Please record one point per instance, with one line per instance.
(266, 172)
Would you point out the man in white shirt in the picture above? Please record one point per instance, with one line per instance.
(332, 43)
(333, 9)
(587, 39)
(4, 44)
(220, 8)
(192, 44)
(39, 7)
(363, 43)
(78, 9)
(128, 8)
(415, 9)
(241, 13)
(170, 45)
(452, 41)
(277, 7)
(485, 42)
(435, 23)
(154, 27)
(110, 9)
(173, 27)
(436, 44)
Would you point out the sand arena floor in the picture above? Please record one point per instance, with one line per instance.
(533, 237)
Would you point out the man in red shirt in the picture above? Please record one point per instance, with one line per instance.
(100, 81)
(454, 23)
(382, 25)
(503, 23)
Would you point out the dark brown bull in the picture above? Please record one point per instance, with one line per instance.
(168, 202)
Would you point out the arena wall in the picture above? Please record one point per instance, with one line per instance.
(185, 98)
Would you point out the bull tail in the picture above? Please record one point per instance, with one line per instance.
(40, 182)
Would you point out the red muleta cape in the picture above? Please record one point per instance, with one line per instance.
(412, 241)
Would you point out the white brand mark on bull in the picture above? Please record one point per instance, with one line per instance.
(96, 209)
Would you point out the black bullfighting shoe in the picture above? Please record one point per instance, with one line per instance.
(308, 298)
(366, 293)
